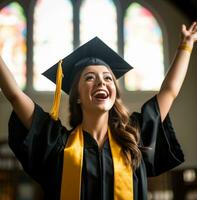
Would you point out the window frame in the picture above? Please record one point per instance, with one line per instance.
(121, 8)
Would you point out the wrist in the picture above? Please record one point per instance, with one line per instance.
(186, 45)
(187, 41)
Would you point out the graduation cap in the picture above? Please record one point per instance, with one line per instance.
(63, 72)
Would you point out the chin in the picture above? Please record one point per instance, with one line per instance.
(104, 108)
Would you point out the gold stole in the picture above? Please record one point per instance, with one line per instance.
(72, 169)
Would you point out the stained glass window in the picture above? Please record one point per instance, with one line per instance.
(53, 37)
(13, 40)
(98, 18)
(143, 49)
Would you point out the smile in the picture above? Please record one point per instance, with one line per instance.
(100, 94)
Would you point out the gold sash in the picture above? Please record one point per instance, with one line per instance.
(72, 169)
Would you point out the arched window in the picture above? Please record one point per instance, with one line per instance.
(143, 49)
(13, 40)
(53, 37)
(99, 18)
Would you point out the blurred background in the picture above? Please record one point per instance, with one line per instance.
(35, 34)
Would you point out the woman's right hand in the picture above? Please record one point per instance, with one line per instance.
(21, 103)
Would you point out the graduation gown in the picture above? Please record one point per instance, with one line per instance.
(40, 151)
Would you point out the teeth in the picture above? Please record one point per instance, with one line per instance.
(100, 92)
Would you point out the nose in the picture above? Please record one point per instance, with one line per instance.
(100, 81)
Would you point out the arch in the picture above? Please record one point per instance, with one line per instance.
(52, 36)
(143, 49)
(13, 40)
(93, 21)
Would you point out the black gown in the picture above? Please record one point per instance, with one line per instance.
(40, 150)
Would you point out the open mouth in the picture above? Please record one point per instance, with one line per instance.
(100, 95)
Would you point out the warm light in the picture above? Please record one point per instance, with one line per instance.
(13, 41)
(143, 49)
(189, 175)
(99, 18)
(53, 38)
(161, 195)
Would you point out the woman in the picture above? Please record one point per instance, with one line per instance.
(103, 156)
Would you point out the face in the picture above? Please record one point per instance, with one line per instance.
(97, 90)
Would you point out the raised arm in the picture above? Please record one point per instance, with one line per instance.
(21, 103)
(177, 72)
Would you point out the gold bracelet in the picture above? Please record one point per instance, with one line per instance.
(185, 47)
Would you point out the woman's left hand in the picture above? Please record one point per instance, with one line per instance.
(189, 35)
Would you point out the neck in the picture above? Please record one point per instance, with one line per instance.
(96, 125)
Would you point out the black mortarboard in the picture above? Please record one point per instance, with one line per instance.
(94, 48)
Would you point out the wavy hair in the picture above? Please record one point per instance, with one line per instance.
(125, 132)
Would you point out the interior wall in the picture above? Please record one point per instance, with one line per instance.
(184, 109)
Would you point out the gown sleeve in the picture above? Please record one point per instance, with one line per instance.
(160, 148)
(35, 147)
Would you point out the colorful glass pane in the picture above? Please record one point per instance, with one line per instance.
(143, 49)
(93, 21)
(53, 37)
(13, 40)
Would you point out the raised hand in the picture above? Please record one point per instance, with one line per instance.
(176, 74)
(21, 103)
(190, 34)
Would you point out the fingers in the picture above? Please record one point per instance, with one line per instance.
(184, 29)
(193, 27)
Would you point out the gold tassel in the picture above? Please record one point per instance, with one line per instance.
(56, 102)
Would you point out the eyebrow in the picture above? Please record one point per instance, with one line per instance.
(95, 73)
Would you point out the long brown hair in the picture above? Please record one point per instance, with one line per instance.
(124, 132)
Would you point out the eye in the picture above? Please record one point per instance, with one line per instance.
(89, 77)
(108, 78)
